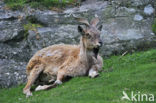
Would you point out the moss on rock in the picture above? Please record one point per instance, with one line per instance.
(154, 26)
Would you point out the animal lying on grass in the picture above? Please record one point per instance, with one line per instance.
(51, 65)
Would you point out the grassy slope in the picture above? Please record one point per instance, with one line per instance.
(134, 72)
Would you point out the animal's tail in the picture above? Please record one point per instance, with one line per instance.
(31, 64)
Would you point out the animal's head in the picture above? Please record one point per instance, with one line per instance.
(91, 33)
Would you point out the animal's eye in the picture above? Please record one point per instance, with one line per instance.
(88, 35)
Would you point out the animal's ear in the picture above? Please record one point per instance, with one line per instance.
(94, 21)
(81, 30)
(84, 21)
(100, 27)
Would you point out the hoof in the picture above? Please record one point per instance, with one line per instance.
(27, 93)
(58, 82)
(93, 73)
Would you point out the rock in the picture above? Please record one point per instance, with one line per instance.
(13, 59)
(138, 17)
(129, 46)
(10, 30)
(140, 2)
(132, 3)
(121, 34)
(48, 36)
(9, 14)
(11, 73)
(50, 18)
(148, 10)
(116, 32)
(13, 48)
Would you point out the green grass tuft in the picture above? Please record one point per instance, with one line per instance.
(133, 72)
(31, 26)
(18, 4)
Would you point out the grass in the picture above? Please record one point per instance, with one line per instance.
(18, 4)
(31, 26)
(133, 72)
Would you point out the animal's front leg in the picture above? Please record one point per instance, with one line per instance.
(93, 72)
(31, 79)
(96, 68)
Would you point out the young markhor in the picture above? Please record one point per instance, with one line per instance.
(52, 64)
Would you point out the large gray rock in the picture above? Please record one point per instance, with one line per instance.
(11, 73)
(14, 51)
(10, 30)
(125, 28)
(148, 10)
(50, 18)
(135, 3)
(48, 36)
(120, 25)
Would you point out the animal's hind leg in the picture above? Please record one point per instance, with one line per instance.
(31, 79)
(60, 76)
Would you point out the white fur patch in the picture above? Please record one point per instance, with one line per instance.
(53, 53)
(40, 88)
(58, 82)
(93, 73)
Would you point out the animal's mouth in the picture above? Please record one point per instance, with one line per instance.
(96, 51)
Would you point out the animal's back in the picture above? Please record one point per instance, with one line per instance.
(54, 55)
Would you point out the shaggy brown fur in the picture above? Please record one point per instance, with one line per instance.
(54, 63)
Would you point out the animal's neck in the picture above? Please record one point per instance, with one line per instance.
(85, 54)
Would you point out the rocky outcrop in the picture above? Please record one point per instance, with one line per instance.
(126, 27)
